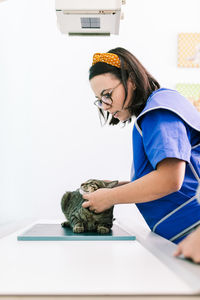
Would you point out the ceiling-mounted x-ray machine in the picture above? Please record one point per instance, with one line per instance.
(89, 17)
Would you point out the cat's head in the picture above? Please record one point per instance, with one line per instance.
(92, 185)
(65, 200)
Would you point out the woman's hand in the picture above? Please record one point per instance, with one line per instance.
(190, 246)
(99, 200)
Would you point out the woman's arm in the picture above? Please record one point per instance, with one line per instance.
(166, 179)
(123, 182)
(119, 183)
(190, 246)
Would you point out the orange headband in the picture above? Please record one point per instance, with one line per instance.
(108, 58)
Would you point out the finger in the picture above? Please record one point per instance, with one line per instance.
(178, 251)
(86, 204)
(85, 196)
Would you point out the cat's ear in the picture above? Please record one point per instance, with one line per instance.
(112, 184)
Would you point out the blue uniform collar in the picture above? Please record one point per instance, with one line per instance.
(171, 100)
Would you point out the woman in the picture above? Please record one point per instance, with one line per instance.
(166, 145)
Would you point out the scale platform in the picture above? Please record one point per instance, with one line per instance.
(55, 232)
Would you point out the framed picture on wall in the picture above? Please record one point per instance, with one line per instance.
(191, 92)
(189, 50)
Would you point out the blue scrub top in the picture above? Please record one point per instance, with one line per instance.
(169, 126)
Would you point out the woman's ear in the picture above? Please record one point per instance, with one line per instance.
(131, 83)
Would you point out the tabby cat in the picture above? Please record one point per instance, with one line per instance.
(81, 219)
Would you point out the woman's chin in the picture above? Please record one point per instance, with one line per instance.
(122, 117)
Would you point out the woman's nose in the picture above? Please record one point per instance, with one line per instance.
(105, 107)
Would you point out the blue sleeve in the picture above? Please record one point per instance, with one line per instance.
(165, 135)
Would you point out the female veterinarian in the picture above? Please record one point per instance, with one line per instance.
(166, 145)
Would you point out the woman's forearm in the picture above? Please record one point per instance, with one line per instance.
(149, 187)
(123, 182)
(119, 183)
(165, 180)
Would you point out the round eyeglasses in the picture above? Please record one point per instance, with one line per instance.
(106, 99)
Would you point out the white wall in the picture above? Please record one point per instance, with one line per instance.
(51, 138)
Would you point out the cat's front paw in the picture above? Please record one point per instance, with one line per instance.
(102, 229)
(65, 224)
(78, 228)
